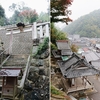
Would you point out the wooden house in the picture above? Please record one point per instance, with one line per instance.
(63, 50)
(75, 71)
(10, 82)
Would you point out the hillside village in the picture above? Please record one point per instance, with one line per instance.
(77, 74)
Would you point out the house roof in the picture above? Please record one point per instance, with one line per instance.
(91, 56)
(80, 44)
(66, 52)
(98, 54)
(76, 67)
(64, 48)
(10, 72)
(54, 52)
(62, 44)
(98, 46)
(96, 64)
(63, 53)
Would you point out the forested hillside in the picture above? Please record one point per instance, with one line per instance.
(87, 26)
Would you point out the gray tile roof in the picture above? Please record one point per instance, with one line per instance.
(81, 45)
(10, 72)
(66, 52)
(54, 52)
(76, 67)
(91, 56)
(81, 72)
(62, 44)
(96, 64)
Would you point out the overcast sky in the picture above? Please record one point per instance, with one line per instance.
(39, 5)
(83, 7)
(78, 7)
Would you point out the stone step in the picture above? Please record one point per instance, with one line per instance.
(17, 60)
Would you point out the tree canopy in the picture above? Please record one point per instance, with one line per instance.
(22, 13)
(2, 12)
(3, 19)
(29, 15)
(86, 26)
(56, 34)
(43, 17)
(59, 10)
(25, 14)
(17, 6)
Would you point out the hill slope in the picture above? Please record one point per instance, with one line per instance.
(87, 26)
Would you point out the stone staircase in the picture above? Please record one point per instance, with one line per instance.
(16, 60)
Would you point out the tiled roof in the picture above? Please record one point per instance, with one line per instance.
(96, 64)
(91, 56)
(62, 44)
(54, 52)
(66, 52)
(10, 72)
(76, 67)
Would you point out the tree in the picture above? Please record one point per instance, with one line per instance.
(2, 12)
(19, 6)
(16, 18)
(3, 19)
(56, 34)
(59, 10)
(29, 15)
(74, 48)
(16, 8)
(43, 17)
(22, 13)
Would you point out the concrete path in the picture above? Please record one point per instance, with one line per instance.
(96, 83)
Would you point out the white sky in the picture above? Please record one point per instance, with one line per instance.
(80, 8)
(83, 7)
(39, 5)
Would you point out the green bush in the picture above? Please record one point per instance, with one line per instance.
(42, 47)
(55, 91)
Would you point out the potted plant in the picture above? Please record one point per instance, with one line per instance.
(21, 26)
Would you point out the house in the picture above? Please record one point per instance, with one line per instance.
(10, 78)
(97, 46)
(93, 58)
(75, 71)
(63, 50)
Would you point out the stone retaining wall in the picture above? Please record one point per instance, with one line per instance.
(22, 42)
